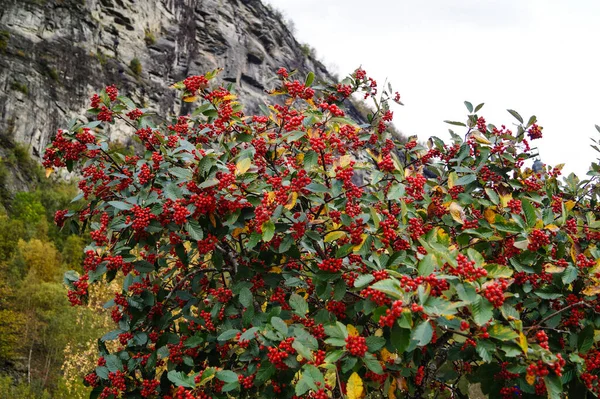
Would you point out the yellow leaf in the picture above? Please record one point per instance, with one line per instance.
(236, 232)
(489, 215)
(570, 204)
(49, 172)
(376, 157)
(573, 253)
(345, 160)
(591, 291)
(190, 99)
(330, 378)
(229, 97)
(263, 307)
(213, 221)
(457, 212)
(552, 227)
(505, 198)
(480, 138)
(387, 355)
(352, 331)
(530, 379)
(293, 197)
(452, 177)
(523, 343)
(334, 235)
(378, 332)
(355, 389)
(275, 269)
(392, 390)
(359, 246)
(300, 158)
(242, 166)
(271, 197)
(550, 268)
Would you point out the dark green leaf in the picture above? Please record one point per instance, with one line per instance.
(515, 114)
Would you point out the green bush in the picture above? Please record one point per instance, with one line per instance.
(136, 67)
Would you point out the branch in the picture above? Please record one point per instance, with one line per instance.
(545, 319)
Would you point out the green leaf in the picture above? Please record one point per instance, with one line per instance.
(302, 350)
(396, 192)
(481, 310)
(180, 379)
(375, 343)
(455, 123)
(502, 333)
(299, 305)
(181, 173)
(553, 386)
(400, 338)
(363, 280)
(124, 206)
(516, 115)
(585, 339)
(569, 275)
(279, 325)
(427, 265)
(194, 230)
(372, 363)
(295, 135)
(268, 230)
(309, 79)
(264, 373)
(310, 160)
(529, 212)
(469, 106)
(485, 349)
(245, 297)
(466, 292)
(493, 196)
(477, 108)
(173, 191)
(422, 334)
(389, 286)
(227, 376)
(248, 334)
(466, 179)
(227, 335)
(317, 188)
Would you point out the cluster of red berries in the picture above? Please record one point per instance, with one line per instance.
(495, 293)
(542, 339)
(391, 314)
(297, 89)
(356, 345)
(331, 265)
(246, 382)
(415, 185)
(386, 164)
(466, 269)
(338, 308)
(537, 239)
(534, 132)
(515, 206)
(194, 83)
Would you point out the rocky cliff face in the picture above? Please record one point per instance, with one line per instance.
(55, 53)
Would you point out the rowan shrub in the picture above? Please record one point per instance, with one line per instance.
(302, 254)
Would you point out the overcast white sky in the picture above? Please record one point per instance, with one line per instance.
(538, 57)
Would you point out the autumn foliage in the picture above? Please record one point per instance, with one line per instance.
(302, 254)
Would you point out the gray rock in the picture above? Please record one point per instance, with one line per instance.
(55, 53)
